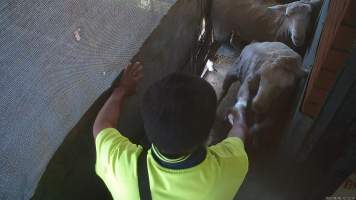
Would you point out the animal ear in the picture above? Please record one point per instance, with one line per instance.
(303, 72)
(300, 71)
(316, 4)
(280, 8)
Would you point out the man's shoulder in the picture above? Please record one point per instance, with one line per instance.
(229, 147)
(230, 153)
(114, 149)
(231, 157)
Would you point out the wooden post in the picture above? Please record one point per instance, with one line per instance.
(334, 48)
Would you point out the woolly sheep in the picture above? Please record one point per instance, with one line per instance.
(251, 20)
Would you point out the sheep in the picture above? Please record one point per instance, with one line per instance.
(269, 73)
(251, 20)
(221, 125)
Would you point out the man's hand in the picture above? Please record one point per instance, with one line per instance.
(128, 82)
(237, 115)
(237, 118)
(110, 112)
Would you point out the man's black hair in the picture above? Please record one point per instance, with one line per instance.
(178, 112)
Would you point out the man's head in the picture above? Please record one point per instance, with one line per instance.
(178, 112)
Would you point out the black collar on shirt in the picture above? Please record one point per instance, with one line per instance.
(194, 159)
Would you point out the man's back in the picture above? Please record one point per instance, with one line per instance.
(213, 173)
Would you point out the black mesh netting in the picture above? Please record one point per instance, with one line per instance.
(57, 58)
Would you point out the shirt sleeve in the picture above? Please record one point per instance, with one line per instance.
(232, 157)
(114, 151)
(230, 147)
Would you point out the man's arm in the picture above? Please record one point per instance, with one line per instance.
(239, 128)
(110, 112)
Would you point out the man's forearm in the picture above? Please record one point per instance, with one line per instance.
(109, 113)
(238, 130)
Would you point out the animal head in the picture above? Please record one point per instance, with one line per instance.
(298, 18)
(273, 79)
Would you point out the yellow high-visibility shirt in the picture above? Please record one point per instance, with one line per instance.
(217, 176)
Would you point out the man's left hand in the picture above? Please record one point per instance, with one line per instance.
(129, 80)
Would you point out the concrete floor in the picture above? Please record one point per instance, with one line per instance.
(222, 64)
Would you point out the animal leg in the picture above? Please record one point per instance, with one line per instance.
(256, 132)
(220, 33)
(259, 127)
(243, 96)
(229, 79)
(213, 49)
(242, 100)
(237, 42)
(221, 125)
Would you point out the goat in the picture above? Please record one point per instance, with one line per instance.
(251, 20)
(268, 73)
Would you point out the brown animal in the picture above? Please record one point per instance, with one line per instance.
(221, 125)
(251, 20)
(268, 73)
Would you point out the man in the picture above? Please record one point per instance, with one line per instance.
(178, 112)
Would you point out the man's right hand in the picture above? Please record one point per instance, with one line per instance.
(237, 117)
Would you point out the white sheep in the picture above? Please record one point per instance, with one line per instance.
(268, 73)
(251, 20)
